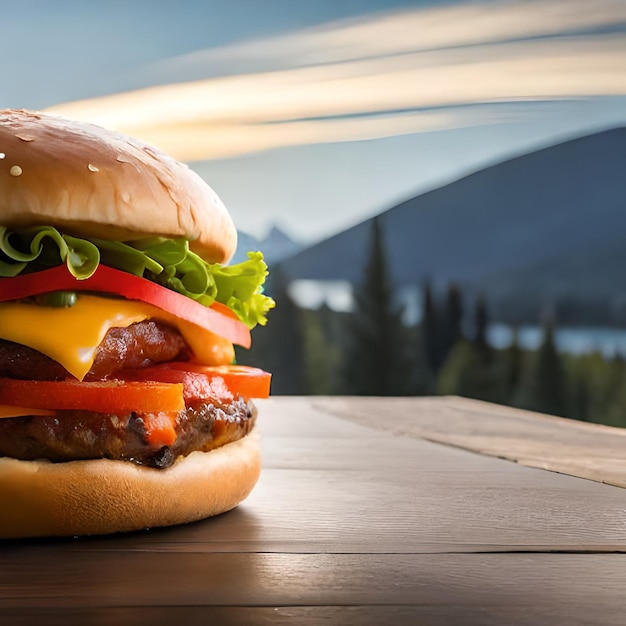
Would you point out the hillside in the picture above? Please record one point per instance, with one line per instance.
(548, 226)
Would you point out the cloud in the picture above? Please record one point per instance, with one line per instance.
(347, 81)
(222, 141)
(416, 30)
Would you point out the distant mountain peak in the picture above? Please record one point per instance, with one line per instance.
(278, 235)
(550, 223)
(276, 245)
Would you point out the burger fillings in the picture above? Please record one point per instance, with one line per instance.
(120, 407)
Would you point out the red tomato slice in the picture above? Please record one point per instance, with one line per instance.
(111, 396)
(250, 382)
(203, 382)
(217, 318)
(195, 386)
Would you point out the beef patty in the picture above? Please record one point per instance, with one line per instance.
(74, 435)
(139, 345)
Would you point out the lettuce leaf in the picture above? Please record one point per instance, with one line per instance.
(240, 287)
(45, 246)
(168, 262)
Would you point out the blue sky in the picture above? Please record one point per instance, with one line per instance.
(315, 115)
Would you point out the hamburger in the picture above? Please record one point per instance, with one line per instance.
(121, 407)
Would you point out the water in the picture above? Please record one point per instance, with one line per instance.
(337, 295)
(573, 340)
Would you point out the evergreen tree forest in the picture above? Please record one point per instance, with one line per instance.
(373, 350)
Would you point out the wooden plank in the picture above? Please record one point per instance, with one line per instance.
(300, 417)
(587, 587)
(521, 614)
(557, 444)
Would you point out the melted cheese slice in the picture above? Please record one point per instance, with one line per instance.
(72, 335)
(18, 411)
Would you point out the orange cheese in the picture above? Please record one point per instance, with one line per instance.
(18, 411)
(72, 335)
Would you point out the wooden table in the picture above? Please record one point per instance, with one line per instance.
(360, 517)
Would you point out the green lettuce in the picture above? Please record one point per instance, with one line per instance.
(168, 262)
(44, 246)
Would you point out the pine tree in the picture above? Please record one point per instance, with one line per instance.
(466, 373)
(514, 362)
(474, 369)
(481, 323)
(452, 323)
(544, 385)
(376, 355)
(429, 329)
(615, 412)
(579, 397)
(322, 353)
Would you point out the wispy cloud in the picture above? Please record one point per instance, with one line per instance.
(413, 31)
(348, 80)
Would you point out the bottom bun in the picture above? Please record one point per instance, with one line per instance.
(43, 499)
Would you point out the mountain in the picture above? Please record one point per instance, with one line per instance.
(276, 246)
(545, 227)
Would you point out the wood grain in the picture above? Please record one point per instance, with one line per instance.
(520, 614)
(591, 451)
(349, 524)
(568, 587)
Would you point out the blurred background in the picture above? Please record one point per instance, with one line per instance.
(438, 185)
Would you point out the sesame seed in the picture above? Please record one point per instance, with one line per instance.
(25, 137)
(2, 155)
(15, 170)
(92, 168)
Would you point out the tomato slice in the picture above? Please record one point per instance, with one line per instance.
(249, 382)
(204, 382)
(195, 386)
(217, 318)
(111, 396)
